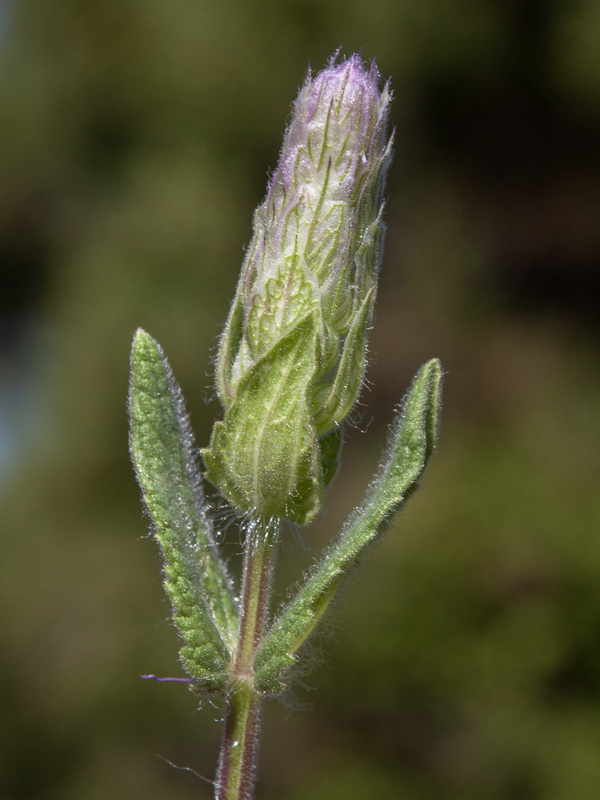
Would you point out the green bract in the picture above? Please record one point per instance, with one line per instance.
(291, 359)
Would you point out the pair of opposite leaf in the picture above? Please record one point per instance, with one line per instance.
(202, 595)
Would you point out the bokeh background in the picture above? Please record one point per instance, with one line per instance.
(463, 662)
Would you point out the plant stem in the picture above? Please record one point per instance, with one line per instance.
(239, 750)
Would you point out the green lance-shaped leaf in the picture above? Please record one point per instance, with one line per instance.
(413, 438)
(164, 457)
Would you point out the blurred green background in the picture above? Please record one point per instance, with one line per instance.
(464, 660)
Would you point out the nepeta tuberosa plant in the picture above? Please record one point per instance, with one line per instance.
(290, 367)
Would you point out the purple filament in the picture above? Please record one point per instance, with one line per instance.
(163, 680)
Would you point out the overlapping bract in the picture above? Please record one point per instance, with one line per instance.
(291, 360)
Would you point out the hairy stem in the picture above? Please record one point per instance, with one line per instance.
(239, 750)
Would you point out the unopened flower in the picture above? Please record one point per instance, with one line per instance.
(292, 356)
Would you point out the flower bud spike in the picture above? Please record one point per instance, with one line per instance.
(292, 357)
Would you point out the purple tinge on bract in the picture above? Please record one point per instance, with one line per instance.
(342, 103)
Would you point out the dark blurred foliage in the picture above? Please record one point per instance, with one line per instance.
(464, 658)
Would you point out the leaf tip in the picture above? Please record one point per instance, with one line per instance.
(430, 376)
